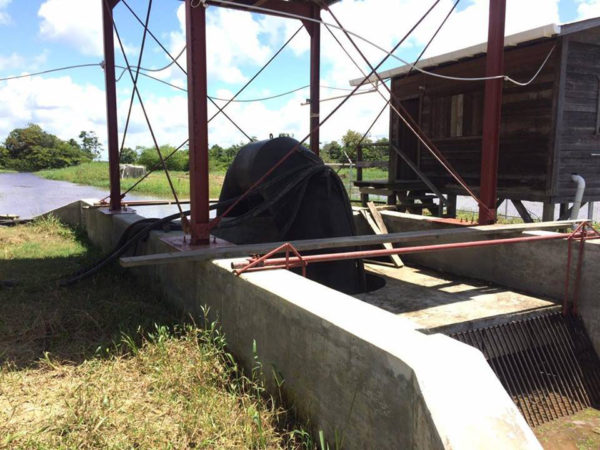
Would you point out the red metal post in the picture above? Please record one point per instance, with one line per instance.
(315, 80)
(197, 120)
(491, 113)
(111, 106)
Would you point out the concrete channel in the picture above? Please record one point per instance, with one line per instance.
(378, 370)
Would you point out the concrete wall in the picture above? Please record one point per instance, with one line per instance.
(360, 374)
(537, 268)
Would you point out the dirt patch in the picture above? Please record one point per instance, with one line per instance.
(577, 432)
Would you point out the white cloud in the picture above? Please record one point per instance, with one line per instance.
(76, 23)
(470, 26)
(55, 104)
(16, 61)
(587, 9)
(239, 42)
(233, 40)
(4, 16)
(12, 61)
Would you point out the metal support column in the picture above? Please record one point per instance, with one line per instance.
(315, 80)
(491, 113)
(197, 121)
(548, 212)
(111, 105)
(451, 206)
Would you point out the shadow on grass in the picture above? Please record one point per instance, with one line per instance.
(71, 323)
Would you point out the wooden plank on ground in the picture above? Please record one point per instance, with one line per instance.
(238, 251)
(380, 228)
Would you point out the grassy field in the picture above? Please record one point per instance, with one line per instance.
(6, 170)
(156, 184)
(103, 363)
(96, 174)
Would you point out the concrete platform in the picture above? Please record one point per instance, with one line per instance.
(432, 300)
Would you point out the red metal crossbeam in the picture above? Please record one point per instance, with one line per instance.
(582, 233)
(257, 263)
(303, 9)
(328, 257)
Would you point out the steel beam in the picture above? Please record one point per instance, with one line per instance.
(315, 80)
(492, 112)
(111, 106)
(278, 7)
(197, 121)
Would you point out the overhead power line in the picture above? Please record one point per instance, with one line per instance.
(378, 47)
(174, 86)
(58, 69)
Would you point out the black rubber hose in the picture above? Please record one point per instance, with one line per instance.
(118, 251)
(125, 242)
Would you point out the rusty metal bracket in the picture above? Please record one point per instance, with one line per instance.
(256, 263)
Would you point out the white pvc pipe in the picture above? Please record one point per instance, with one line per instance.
(578, 179)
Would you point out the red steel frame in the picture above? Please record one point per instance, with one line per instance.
(491, 113)
(197, 100)
(360, 254)
(583, 232)
(198, 108)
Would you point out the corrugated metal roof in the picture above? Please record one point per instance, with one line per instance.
(545, 31)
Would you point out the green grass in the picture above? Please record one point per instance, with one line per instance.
(156, 184)
(96, 174)
(7, 170)
(370, 173)
(104, 363)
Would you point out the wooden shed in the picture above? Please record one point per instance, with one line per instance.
(550, 128)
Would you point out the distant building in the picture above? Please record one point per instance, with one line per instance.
(550, 128)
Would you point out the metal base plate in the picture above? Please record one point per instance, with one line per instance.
(178, 243)
(124, 210)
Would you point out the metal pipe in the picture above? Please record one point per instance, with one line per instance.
(492, 112)
(577, 179)
(197, 122)
(111, 106)
(590, 210)
(308, 259)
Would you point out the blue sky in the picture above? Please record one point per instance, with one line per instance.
(44, 34)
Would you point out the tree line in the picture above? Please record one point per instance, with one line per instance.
(31, 149)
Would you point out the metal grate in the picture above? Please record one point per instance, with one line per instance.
(546, 363)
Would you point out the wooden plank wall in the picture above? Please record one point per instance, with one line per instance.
(578, 138)
(527, 118)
